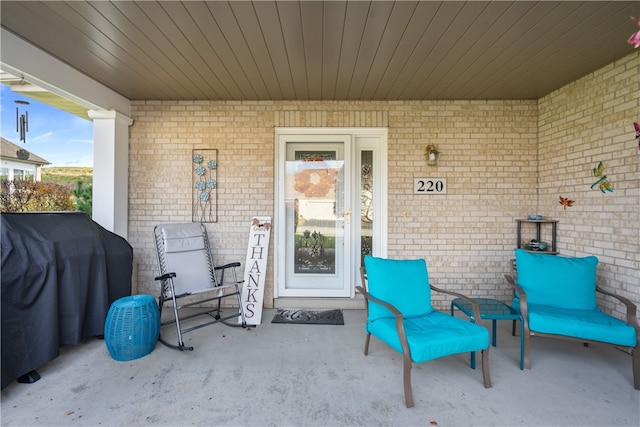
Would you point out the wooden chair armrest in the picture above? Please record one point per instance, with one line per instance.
(522, 295)
(385, 304)
(631, 307)
(514, 285)
(474, 303)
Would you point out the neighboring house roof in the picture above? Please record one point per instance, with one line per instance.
(11, 151)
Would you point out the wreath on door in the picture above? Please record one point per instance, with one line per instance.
(315, 182)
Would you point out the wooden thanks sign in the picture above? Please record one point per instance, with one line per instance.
(255, 269)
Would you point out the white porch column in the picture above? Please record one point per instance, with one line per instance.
(111, 170)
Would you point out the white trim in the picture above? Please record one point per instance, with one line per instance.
(110, 114)
(20, 57)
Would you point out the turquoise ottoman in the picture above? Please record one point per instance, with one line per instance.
(132, 327)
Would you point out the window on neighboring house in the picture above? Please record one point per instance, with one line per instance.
(4, 174)
(23, 174)
(17, 174)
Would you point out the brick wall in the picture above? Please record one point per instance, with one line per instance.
(489, 155)
(583, 123)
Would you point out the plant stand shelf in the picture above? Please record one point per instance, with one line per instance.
(538, 223)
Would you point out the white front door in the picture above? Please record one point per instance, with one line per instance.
(320, 233)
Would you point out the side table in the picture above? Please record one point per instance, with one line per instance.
(132, 327)
(491, 309)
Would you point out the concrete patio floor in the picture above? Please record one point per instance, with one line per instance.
(317, 375)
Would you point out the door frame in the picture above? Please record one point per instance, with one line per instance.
(380, 195)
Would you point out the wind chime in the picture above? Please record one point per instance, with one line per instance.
(22, 120)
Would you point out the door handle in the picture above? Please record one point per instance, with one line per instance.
(347, 215)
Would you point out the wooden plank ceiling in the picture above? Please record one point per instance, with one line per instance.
(328, 50)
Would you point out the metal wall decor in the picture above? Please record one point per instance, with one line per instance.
(204, 185)
(602, 182)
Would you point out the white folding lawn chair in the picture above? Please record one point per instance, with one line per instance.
(187, 273)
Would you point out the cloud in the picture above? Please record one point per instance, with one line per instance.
(46, 137)
(84, 161)
(83, 141)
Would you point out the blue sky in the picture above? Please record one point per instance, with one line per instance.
(57, 136)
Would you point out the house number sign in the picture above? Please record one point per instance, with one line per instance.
(430, 186)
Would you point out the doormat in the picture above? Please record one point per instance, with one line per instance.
(308, 317)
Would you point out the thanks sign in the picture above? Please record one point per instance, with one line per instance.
(255, 269)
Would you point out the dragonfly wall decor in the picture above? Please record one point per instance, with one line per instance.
(603, 184)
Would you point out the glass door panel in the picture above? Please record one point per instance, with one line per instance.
(316, 219)
(366, 204)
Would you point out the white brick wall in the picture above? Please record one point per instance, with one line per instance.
(502, 160)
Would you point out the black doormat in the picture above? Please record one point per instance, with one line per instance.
(308, 317)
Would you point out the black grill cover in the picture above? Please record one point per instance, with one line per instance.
(60, 273)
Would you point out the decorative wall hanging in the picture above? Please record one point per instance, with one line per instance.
(204, 185)
(602, 182)
(636, 126)
(566, 203)
(22, 154)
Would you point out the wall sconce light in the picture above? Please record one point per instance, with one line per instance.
(432, 154)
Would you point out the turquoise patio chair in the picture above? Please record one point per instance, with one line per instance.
(556, 296)
(399, 313)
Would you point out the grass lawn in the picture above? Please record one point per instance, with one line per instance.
(68, 175)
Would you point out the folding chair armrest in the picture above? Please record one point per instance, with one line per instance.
(165, 276)
(224, 267)
(631, 307)
(474, 303)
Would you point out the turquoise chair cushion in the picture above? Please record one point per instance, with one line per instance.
(586, 324)
(433, 335)
(558, 281)
(402, 283)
